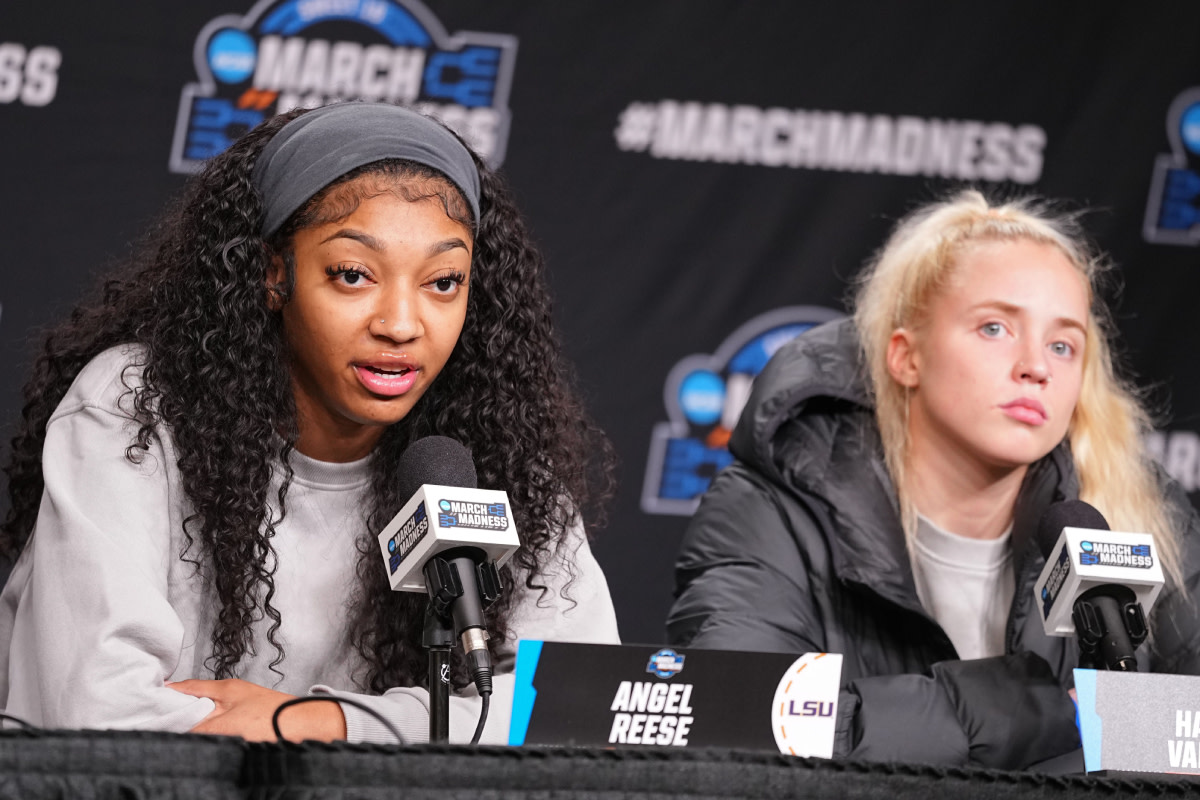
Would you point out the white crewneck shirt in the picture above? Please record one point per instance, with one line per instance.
(966, 585)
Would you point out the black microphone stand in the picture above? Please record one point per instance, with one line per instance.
(438, 638)
(1110, 624)
(444, 586)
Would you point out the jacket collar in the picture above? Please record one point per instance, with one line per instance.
(809, 426)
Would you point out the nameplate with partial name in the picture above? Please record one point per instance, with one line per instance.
(1139, 722)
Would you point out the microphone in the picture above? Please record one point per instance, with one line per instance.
(447, 541)
(1097, 584)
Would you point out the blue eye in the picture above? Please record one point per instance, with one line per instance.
(1062, 349)
(991, 329)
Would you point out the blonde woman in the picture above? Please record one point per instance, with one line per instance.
(892, 469)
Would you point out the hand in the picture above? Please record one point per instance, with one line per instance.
(245, 709)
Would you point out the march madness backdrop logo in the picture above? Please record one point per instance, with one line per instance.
(1173, 209)
(704, 396)
(289, 53)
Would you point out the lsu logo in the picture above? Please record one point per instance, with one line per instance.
(804, 709)
(1173, 210)
(666, 663)
(704, 396)
(289, 53)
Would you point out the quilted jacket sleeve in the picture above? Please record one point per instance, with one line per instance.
(744, 582)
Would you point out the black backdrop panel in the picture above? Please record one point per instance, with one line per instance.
(695, 172)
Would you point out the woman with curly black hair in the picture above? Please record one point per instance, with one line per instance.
(208, 449)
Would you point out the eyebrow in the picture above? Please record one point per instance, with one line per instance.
(1009, 308)
(378, 246)
(358, 236)
(446, 245)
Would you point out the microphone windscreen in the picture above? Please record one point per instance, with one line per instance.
(1067, 514)
(438, 460)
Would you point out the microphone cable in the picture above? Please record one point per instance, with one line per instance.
(295, 701)
(25, 725)
(483, 715)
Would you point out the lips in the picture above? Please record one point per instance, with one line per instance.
(1027, 410)
(387, 379)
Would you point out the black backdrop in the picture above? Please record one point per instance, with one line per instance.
(703, 175)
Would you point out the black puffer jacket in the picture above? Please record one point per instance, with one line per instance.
(797, 547)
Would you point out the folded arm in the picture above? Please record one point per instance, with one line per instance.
(91, 635)
(751, 575)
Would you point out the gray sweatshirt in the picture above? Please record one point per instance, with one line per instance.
(100, 612)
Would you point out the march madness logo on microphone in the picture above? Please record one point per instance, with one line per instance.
(409, 536)
(1104, 554)
(284, 54)
(1054, 583)
(481, 516)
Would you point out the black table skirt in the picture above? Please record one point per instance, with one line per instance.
(121, 764)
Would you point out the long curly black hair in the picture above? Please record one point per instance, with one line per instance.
(216, 377)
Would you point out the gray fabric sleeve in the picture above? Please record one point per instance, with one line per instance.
(88, 636)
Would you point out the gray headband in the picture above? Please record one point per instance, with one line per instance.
(317, 148)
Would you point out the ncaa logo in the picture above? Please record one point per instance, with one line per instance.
(1173, 209)
(704, 396)
(285, 54)
(666, 663)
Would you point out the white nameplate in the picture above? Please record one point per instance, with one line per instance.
(1139, 722)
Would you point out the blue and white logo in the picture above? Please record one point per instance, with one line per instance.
(1173, 208)
(1107, 554)
(407, 537)
(666, 663)
(232, 55)
(704, 396)
(285, 54)
(470, 514)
